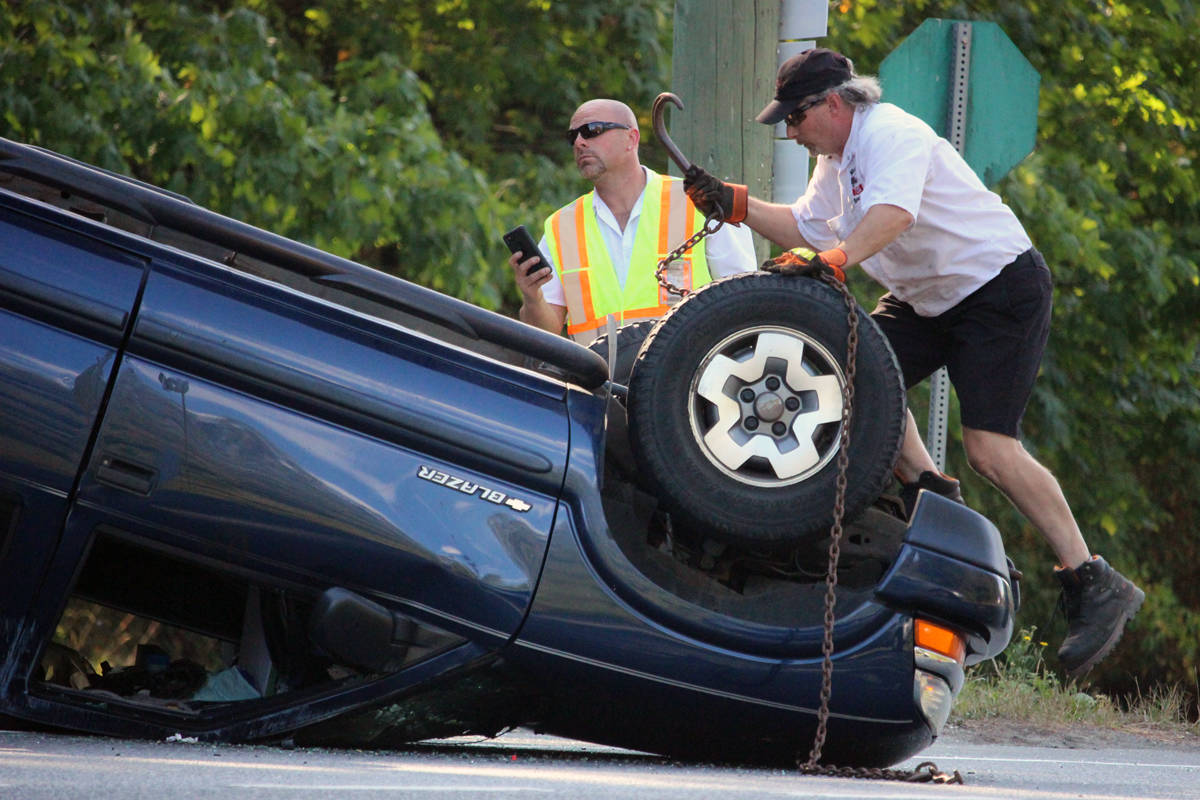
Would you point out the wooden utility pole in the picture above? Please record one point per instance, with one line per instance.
(725, 59)
(724, 72)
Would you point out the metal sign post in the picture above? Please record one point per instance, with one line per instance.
(988, 114)
(956, 133)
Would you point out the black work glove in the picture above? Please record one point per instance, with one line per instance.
(715, 198)
(790, 263)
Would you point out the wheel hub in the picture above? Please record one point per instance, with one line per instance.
(768, 407)
(765, 401)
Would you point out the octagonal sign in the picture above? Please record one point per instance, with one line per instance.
(1002, 92)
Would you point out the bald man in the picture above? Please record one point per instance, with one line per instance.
(604, 246)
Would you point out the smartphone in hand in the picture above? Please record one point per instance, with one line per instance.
(519, 240)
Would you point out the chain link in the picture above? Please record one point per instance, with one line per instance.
(711, 226)
(839, 511)
(926, 771)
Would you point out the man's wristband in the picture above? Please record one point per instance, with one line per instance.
(835, 257)
(741, 201)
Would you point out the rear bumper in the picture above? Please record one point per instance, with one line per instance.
(952, 569)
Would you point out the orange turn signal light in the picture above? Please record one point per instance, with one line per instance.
(940, 639)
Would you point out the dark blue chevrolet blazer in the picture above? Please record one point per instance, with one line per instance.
(250, 490)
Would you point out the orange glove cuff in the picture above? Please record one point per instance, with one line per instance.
(834, 258)
(741, 199)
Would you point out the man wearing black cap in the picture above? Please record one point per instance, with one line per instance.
(966, 289)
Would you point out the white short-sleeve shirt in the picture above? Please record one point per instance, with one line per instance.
(729, 250)
(962, 234)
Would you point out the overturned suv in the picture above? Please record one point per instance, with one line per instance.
(250, 490)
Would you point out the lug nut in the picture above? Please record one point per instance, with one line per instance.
(772, 383)
(792, 403)
(751, 423)
(747, 395)
(779, 429)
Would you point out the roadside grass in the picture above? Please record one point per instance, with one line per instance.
(1019, 687)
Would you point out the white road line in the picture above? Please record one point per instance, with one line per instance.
(351, 787)
(1088, 762)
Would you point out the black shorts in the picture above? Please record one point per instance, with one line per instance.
(991, 343)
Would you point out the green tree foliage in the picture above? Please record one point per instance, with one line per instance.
(402, 133)
(1111, 196)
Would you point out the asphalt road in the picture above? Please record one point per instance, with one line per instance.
(524, 766)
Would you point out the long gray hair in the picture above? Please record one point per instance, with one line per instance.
(861, 90)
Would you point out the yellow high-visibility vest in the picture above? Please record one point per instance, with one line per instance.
(589, 279)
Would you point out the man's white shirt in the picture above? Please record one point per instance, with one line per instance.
(962, 234)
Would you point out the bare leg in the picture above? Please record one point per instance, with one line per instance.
(1031, 488)
(914, 458)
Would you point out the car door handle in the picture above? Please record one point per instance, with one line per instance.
(126, 475)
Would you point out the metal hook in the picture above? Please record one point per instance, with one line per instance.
(660, 128)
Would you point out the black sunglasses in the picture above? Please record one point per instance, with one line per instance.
(591, 130)
(797, 116)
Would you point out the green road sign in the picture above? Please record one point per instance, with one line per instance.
(997, 124)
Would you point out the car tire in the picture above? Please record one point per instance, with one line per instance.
(629, 341)
(735, 410)
(618, 453)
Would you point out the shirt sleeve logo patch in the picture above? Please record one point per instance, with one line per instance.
(856, 186)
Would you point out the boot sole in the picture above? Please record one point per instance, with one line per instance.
(1127, 614)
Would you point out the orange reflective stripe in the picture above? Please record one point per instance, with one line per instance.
(575, 331)
(589, 278)
(589, 325)
(664, 231)
(644, 313)
(677, 220)
(689, 220)
(677, 216)
(585, 283)
(556, 227)
(569, 244)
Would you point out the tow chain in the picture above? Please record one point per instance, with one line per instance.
(711, 225)
(835, 532)
(926, 771)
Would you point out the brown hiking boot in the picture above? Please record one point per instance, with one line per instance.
(1098, 602)
(936, 482)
